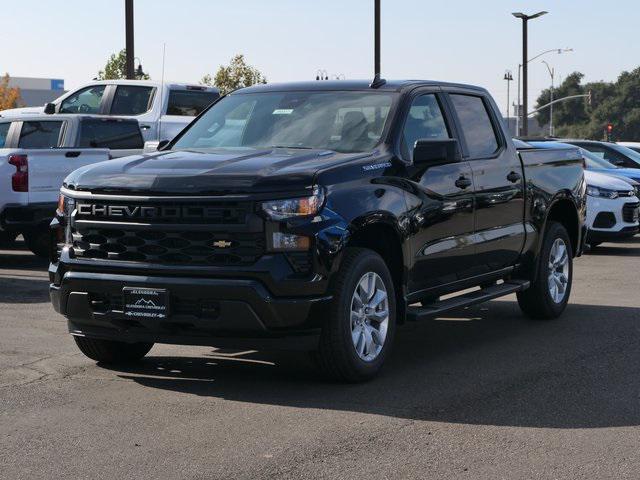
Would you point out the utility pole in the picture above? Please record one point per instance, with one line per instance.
(376, 39)
(128, 22)
(525, 80)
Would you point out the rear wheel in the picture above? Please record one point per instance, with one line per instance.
(108, 351)
(37, 241)
(549, 294)
(360, 329)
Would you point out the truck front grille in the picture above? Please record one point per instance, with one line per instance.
(169, 247)
(630, 212)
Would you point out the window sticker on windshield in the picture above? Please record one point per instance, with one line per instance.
(282, 111)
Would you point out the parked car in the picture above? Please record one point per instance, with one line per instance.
(612, 152)
(635, 146)
(338, 211)
(37, 152)
(612, 202)
(162, 109)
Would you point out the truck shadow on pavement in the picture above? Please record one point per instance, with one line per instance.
(23, 277)
(487, 365)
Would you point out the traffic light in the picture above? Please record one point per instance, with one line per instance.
(609, 131)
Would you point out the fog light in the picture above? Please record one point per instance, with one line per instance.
(289, 242)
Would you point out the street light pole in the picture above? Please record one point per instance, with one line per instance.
(552, 72)
(128, 22)
(376, 40)
(509, 78)
(525, 81)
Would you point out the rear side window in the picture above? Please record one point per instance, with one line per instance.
(478, 131)
(40, 135)
(116, 135)
(424, 122)
(131, 100)
(189, 103)
(4, 131)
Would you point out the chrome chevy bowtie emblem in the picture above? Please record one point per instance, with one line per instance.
(222, 244)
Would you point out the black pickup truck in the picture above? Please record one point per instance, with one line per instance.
(315, 216)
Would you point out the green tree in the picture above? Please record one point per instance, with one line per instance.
(116, 68)
(237, 74)
(612, 102)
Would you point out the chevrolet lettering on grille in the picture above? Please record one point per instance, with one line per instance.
(138, 211)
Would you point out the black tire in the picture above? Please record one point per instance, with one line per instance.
(337, 356)
(108, 351)
(537, 301)
(38, 241)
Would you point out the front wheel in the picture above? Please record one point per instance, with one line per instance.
(109, 351)
(549, 294)
(359, 332)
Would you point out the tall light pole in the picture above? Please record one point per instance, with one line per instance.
(376, 40)
(525, 55)
(509, 78)
(128, 24)
(552, 72)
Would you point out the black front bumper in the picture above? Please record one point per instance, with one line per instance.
(17, 218)
(203, 311)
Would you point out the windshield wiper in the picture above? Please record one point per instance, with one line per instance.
(291, 146)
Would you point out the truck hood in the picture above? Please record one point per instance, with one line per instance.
(601, 180)
(16, 112)
(211, 172)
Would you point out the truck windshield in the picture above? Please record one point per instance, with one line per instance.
(340, 121)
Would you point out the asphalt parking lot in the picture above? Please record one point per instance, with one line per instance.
(482, 394)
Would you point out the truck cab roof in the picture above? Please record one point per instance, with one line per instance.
(351, 85)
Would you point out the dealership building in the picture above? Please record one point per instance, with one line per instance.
(35, 92)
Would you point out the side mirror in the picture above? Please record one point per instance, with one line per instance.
(162, 144)
(436, 152)
(49, 108)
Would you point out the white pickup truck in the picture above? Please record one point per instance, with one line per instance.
(38, 151)
(161, 109)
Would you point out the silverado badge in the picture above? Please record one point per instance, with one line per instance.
(222, 244)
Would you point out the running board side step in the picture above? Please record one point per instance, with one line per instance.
(478, 296)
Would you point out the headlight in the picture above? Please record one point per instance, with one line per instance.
(295, 207)
(65, 206)
(601, 192)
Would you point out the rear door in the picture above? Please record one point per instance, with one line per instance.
(441, 205)
(183, 105)
(497, 176)
(135, 101)
(49, 164)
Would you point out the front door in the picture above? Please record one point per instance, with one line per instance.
(440, 203)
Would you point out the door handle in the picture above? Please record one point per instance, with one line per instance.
(514, 177)
(463, 182)
(145, 127)
(72, 154)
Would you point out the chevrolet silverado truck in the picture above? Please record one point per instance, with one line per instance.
(315, 216)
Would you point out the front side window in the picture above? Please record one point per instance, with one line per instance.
(477, 128)
(40, 135)
(113, 134)
(424, 122)
(4, 132)
(86, 100)
(340, 121)
(131, 100)
(189, 103)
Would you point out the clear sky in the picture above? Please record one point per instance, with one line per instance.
(471, 41)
